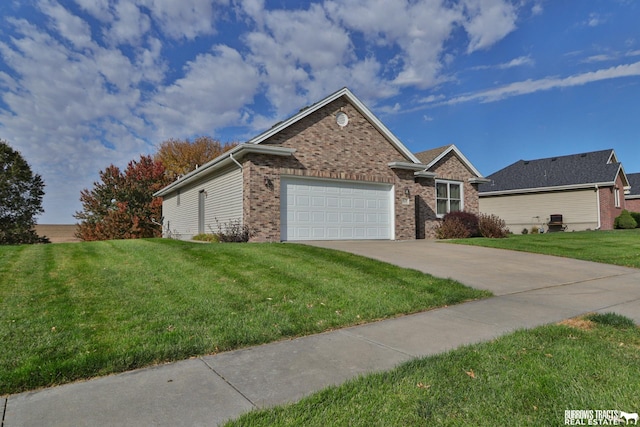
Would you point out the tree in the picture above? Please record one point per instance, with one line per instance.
(21, 195)
(121, 205)
(181, 157)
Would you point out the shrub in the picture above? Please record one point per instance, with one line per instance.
(206, 237)
(452, 228)
(535, 230)
(468, 219)
(625, 221)
(525, 231)
(636, 216)
(233, 232)
(492, 226)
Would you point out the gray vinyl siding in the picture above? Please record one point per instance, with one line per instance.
(579, 209)
(222, 204)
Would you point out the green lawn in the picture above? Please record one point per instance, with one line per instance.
(76, 310)
(529, 378)
(620, 247)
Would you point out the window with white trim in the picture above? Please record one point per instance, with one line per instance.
(449, 197)
(616, 194)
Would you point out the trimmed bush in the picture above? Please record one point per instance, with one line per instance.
(625, 221)
(492, 226)
(525, 231)
(535, 230)
(468, 219)
(636, 216)
(233, 232)
(452, 228)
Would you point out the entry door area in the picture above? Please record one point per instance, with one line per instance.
(318, 209)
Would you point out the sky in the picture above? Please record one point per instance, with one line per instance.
(89, 83)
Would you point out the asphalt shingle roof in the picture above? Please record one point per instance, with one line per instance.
(576, 169)
(428, 156)
(634, 182)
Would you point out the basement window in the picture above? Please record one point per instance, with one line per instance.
(448, 197)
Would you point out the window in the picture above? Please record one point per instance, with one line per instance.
(448, 197)
(616, 195)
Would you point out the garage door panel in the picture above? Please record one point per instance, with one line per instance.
(315, 209)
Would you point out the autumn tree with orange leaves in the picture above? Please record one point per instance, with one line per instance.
(180, 157)
(121, 205)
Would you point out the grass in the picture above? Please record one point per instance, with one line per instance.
(528, 378)
(78, 310)
(619, 247)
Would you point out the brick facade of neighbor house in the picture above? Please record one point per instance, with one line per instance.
(633, 205)
(608, 209)
(632, 200)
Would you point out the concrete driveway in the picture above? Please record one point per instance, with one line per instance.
(500, 271)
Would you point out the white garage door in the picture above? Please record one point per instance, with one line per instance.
(314, 209)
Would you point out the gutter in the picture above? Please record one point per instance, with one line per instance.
(222, 161)
(546, 189)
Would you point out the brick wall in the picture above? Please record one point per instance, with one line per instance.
(449, 168)
(608, 210)
(633, 205)
(358, 152)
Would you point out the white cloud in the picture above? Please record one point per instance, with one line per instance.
(185, 18)
(69, 26)
(488, 21)
(130, 24)
(532, 86)
(212, 94)
(516, 62)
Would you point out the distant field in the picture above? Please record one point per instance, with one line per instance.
(58, 233)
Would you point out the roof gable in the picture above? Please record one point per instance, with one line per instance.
(597, 167)
(351, 98)
(634, 182)
(433, 156)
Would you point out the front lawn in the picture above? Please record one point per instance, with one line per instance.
(619, 247)
(529, 378)
(76, 310)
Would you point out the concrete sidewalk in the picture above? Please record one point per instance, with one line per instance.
(531, 290)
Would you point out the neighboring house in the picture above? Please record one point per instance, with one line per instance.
(632, 199)
(332, 171)
(587, 189)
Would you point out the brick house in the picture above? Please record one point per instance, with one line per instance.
(587, 190)
(332, 171)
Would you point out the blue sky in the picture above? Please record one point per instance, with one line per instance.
(88, 83)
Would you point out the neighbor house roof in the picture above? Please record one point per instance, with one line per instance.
(556, 173)
(634, 182)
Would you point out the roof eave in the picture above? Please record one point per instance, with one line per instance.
(221, 161)
(594, 185)
(461, 156)
(407, 166)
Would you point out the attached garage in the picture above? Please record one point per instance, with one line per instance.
(321, 209)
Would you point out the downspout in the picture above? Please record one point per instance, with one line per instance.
(235, 161)
(598, 203)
